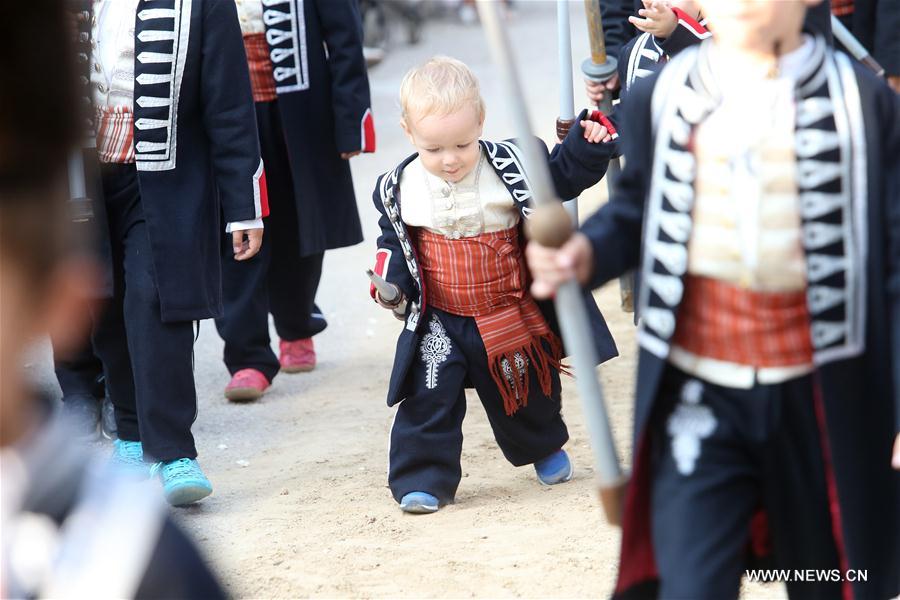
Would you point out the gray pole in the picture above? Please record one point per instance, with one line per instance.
(570, 308)
(566, 88)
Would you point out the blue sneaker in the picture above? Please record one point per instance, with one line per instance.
(129, 457)
(419, 503)
(183, 481)
(556, 468)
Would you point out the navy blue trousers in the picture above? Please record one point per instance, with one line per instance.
(717, 456)
(80, 374)
(148, 363)
(426, 438)
(278, 280)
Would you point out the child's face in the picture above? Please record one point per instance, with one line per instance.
(447, 144)
(755, 25)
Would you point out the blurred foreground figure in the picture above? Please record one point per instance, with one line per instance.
(759, 199)
(72, 526)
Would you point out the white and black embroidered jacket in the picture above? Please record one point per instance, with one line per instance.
(575, 165)
(196, 145)
(848, 174)
(324, 109)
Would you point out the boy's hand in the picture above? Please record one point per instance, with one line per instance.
(349, 155)
(244, 249)
(597, 90)
(595, 132)
(895, 462)
(551, 267)
(659, 19)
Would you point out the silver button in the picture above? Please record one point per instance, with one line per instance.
(97, 67)
(445, 192)
(102, 88)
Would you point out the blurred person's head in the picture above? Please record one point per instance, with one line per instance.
(40, 284)
(442, 113)
(756, 26)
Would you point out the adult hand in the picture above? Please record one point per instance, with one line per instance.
(246, 248)
(551, 267)
(349, 155)
(597, 90)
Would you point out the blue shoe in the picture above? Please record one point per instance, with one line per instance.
(419, 503)
(556, 468)
(129, 457)
(183, 481)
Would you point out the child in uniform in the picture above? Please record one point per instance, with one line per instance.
(759, 199)
(451, 242)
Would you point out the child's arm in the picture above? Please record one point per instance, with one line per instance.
(688, 32)
(229, 115)
(390, 263)
(578, 163)
(354, 129)
(609, 242)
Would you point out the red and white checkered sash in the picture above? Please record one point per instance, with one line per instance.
(260, 64)
(115, 134)
(484, 277)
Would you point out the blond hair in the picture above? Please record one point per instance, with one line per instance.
(440, 86)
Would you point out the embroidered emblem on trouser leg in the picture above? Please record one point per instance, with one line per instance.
(435, 348)
(521, 370)
(688, 425)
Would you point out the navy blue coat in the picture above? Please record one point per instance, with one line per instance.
(196, 146)
(323, 98)
(575, 165)
(859, 377)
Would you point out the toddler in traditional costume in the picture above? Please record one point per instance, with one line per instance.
(451, 245)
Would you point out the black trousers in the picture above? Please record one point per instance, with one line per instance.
(278, 280)
(80, 374)
(720, 454)
(148, 363)
(426, 438)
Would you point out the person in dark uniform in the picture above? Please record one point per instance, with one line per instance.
(180, 167)
(313, 113)
(876, 24)
(72, 526)
(767, 405)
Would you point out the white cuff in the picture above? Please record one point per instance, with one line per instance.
(242, 225)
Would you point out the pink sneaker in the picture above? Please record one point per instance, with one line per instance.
(298, 356)
(246, 385)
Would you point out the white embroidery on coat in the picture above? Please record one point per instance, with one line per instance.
(688, 425)
(435, 348)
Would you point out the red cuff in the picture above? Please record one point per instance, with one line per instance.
(599, 117)
(382, 259)
(692, 24)
(367, 132)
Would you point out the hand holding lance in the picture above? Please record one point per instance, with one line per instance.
(551, 225)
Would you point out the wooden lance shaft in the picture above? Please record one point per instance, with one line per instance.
(601, 68)
(551, 225)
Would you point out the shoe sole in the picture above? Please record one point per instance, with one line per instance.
(187, 495)
(244, 394)
(296, 369)
(568, 476)
(419, 509)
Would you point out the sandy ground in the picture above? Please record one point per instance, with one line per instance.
(301, 507)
